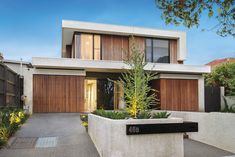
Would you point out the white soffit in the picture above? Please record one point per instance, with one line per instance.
(60, 72)
(69, 27)
(112, 66)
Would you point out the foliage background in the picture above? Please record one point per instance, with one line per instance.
(223, 75)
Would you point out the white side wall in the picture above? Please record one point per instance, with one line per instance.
(110, 139)
(201, 94)
(28, 88)
(216, 129)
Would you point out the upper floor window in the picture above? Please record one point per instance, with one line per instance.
(157, 50)
(88, 46)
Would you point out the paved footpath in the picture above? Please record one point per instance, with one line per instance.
(61, 135)
(51, 135)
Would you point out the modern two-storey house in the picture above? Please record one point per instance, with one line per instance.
(92, 53)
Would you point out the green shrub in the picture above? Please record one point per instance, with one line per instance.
(112, 114)
(11, 115)
(144, 115)
(84, 119)
(11, 120)
(125, 115)
(222, 75)
(13, 128)
(4, 133)
(2, 142)
(160, 115)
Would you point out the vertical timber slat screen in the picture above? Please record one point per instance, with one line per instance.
(177, 94)
(58, 93)
(212, 99)
(11, 87)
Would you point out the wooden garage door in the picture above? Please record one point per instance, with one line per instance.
(58, 93)
(177, 94)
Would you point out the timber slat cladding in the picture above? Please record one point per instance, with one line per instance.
(138, 42)
(177, 94)
(54, 93)
(114, 47)
(173, 51)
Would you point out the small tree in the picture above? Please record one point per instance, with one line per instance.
(223, 75)
(135, 81)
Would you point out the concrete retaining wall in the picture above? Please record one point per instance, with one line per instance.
(110, 139)
(216, 129)
(230, 101)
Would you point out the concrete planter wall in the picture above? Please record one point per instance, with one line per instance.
(110, 139)
(215, 128)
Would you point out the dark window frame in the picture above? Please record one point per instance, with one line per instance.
(145, 53)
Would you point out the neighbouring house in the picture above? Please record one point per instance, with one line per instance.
(92, 52)
(217, 62)
(12, 82)
(17, 66)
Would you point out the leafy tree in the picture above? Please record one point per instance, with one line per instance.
(223, 75)
(188, 13)
(135, 82)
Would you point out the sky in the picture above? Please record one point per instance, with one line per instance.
(32, 28)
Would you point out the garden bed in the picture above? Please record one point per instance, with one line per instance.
(11, 120)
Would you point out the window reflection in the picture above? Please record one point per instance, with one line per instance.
(105, 94)
(157, 51)
(148, 50)
(109, 95)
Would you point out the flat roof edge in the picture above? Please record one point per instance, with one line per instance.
(71, 24)
(68, 63)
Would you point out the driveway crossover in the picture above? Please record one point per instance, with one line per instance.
(61, 134)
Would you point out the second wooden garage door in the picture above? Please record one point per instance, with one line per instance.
(177, 94)
(58, 93)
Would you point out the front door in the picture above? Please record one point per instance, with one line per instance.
(90, 95)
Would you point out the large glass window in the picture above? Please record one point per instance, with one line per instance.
(157, 51)
(90, 95)
(109, 95)
(148, 55)
(105, 94)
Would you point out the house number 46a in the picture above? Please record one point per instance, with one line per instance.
(134, 129)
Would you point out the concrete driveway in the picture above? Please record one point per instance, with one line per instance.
(51, 135)
(197, 149)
